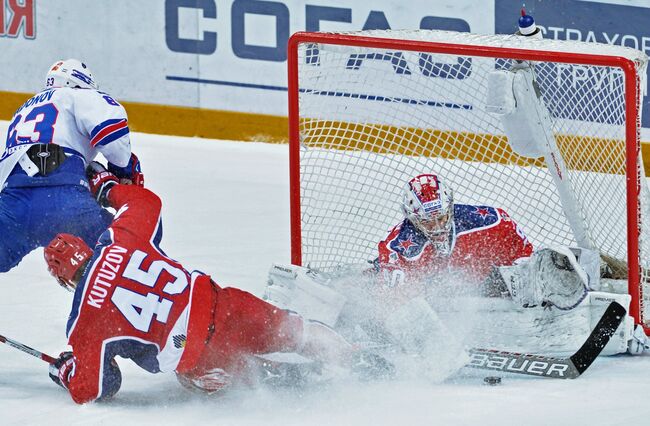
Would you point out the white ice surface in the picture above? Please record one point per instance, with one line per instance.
(226, 212)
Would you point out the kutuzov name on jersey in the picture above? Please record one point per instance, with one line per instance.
(105, 277)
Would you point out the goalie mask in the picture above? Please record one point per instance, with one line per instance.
(429, 205)
(65, 257)
(70, 73)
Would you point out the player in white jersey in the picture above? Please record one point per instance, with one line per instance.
(50, 140)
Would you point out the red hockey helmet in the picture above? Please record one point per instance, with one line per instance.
(65, 255)
(428, 203)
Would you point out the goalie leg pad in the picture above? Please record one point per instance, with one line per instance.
(304, 291)
(511, 95)
(621, 341)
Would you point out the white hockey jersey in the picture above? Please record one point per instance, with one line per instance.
(82, 121)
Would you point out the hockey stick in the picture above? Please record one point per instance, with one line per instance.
(33, 352)
(546, 366)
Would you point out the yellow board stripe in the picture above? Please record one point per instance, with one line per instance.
(229, 125)
(184, 121)
(205, 123)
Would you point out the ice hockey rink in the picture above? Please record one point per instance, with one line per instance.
(226, 212)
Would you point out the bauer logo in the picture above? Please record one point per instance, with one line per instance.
(589, 22)
(17, 19)
(518, 364)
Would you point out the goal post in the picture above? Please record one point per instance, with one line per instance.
(369, 109)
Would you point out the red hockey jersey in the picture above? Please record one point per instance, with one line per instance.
(483, 237)
(132, 301)
(135, 302)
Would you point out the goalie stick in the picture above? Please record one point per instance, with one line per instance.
(33, 352)
(546, 366)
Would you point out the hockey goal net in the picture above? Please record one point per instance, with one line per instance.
(368, 110)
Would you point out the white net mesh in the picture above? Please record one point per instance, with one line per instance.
(372, 118)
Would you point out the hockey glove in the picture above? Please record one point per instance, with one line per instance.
(370, 366)
(286, 373)
(101, 181)
(131, 174)
(62, 369)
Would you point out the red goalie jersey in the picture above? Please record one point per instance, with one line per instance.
(482, 237)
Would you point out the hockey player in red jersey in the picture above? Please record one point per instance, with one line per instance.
(439, 238)
(132, 300)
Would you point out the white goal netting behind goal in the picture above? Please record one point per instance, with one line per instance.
(369, 110)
